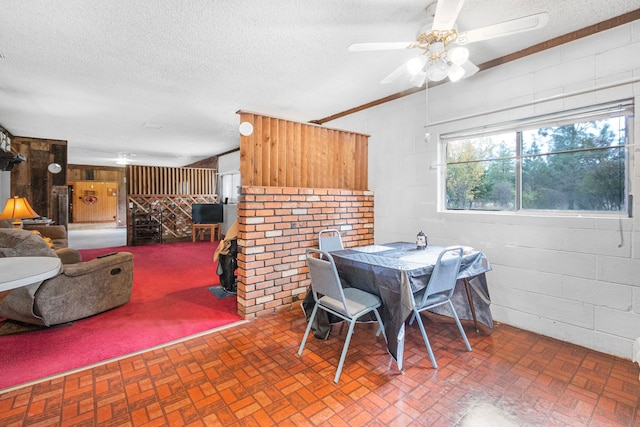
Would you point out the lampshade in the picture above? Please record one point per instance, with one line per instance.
(18, 208)
(455, 72)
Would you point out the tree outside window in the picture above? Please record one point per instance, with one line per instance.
(578, 166)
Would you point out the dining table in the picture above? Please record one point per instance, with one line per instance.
(394, 271)
(16, 272)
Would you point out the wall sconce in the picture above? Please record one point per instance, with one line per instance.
(245, 128)
(18, 208)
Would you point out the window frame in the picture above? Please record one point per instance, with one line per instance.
(620, 108)
(227, 189)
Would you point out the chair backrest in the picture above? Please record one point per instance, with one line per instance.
(330, 240)
(445, 272)
(324, 277)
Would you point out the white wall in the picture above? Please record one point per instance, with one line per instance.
(568, 277)
(229, 162)
(226, 164)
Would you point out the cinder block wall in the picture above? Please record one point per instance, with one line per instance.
(276, 225)
(574, 277)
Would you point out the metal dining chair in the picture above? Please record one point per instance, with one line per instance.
(328, 294)
(330, 240)
(439, 291)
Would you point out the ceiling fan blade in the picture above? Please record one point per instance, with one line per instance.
(469, 69)
(519, 25)
(394, 74)
(361, 47)
(446, 14)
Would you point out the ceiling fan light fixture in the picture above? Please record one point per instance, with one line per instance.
(436, 49)
(458, 55)
(441, 44)
(415, 65)
(456, 72)
(437, 70)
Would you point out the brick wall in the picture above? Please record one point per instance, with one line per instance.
(276, 225)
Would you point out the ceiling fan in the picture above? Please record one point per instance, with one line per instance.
(443, 53)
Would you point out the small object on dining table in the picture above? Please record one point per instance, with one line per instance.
(421, 240)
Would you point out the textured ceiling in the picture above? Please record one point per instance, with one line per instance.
(163, 79)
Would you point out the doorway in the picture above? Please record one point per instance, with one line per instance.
(93, 201)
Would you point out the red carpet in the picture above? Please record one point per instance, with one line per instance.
(170, 300)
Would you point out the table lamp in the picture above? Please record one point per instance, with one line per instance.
(18, 208)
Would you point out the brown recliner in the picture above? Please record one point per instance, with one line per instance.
(82, 289)
(57, 233)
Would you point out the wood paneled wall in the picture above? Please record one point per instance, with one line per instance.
(94, 201)
(145, 180)
(103, 174)
(46, 192)
(281, 153)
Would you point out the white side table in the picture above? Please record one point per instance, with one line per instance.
(21, 271)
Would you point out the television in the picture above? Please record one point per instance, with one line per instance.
(207, 213)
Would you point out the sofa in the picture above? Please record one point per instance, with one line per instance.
(56, 233)
(80, 290)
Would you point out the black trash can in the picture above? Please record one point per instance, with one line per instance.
(227, 266)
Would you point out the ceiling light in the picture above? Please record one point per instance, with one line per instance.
(455, 72)
(437, 70)
(438, 62)
(458, 55)
(125, 158)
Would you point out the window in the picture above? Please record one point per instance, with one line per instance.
(574, 161)
(230, 187)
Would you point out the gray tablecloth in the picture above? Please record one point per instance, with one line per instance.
(395, 270)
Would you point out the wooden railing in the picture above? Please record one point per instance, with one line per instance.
(145, 180)
(171, 191)
(281, 153)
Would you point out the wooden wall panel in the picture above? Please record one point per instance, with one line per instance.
(94, 201)
(32, 180)
(281, 153)
(104, 174)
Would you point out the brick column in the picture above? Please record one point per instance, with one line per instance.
(276, 225)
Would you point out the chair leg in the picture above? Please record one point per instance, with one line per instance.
(306, 332)
(464, 336)
(416, 314)
(381, 327)
(412, 318)
(352, 324)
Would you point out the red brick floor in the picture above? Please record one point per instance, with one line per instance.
(250, 375)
